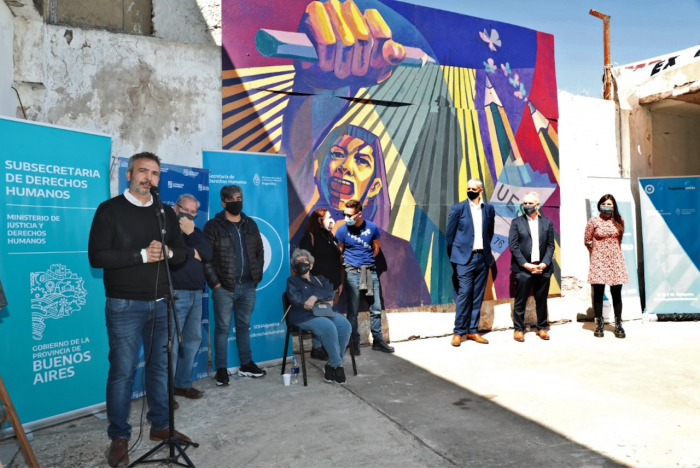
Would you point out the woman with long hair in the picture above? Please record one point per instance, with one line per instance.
(320, 242)
(603, 238)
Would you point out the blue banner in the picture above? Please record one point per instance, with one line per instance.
(670, 208)
(176, 181)
(52, 332)
(263, 178)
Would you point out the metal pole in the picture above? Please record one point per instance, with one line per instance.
(607, 92)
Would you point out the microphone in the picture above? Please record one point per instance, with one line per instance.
(155, 193)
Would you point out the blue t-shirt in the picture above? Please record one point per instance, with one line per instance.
(358, 243)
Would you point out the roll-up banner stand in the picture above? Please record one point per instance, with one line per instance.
(53, 339)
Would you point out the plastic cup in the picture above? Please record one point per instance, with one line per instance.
(287, 379)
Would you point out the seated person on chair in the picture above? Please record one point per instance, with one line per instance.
(311, 300)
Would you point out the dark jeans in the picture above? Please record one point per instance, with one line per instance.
(470, 285)
(615, 292)
(352, 288)
(189, 314)
(128, 322)
(240, 303)
(524, 282)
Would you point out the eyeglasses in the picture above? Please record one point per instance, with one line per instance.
(347, 215)
(185, 210)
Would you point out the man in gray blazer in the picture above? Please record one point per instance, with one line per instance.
(532, 266)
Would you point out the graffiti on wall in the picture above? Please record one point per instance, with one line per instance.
(396, 105)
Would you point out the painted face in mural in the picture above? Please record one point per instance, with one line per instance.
(349, 172)
(146, 173)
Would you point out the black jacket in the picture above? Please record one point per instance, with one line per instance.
(520, 243)
(222, 268)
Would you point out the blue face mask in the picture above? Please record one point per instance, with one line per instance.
(349, 220)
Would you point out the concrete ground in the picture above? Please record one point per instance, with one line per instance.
(575, 400)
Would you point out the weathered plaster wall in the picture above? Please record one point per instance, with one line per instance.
(147, 93)
(588, 148)
(7, 28)
(675, 145)
(195, 21)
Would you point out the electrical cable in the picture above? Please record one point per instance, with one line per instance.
(20, 102)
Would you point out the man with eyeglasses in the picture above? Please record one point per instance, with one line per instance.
(531, 242)
(188, 282)
(469, 232)
(358, 240)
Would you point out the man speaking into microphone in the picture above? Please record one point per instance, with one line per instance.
(125, 242)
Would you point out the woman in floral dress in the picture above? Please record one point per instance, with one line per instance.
(603, 239)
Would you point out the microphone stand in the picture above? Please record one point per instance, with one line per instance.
(172, 440)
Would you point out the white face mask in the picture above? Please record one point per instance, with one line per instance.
(328, 223)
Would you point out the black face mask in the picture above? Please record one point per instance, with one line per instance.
(234, 207)
(529, 209)
(473, 195)
(607, 210)
(302, 268)
(185, 215)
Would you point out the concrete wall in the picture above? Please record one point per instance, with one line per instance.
(147, 93)
(195, 21)
(588, 148)
(675, 145)
(7, 29)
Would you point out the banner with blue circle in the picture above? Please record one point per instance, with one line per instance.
(52, 332)
(263, 178)
(670, 208)
(176, 181)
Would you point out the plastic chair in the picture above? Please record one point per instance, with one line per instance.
(294, 330)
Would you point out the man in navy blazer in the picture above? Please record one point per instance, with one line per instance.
(532, 267)
(469, 232)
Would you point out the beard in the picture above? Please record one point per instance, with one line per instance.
(143, 188)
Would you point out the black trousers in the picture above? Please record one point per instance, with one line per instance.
(524, 282)
(615, 292)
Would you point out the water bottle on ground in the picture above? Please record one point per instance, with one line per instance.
(295, 372)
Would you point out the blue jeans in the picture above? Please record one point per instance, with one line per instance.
(240, 303)
(189, 314)
(352, 288)
(470, 286)
(333, 332)
(128, 322)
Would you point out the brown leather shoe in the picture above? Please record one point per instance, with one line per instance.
(164, 433)
(457, 339)
(478, 338)
(118, 454)
(543, 334)
(189, 392)
(519, 336)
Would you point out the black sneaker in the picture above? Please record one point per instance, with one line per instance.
(319, 353)
(355, 347)
(380, 345)
(329, 373)
(339, 375)
(221, 376)
(251, 370)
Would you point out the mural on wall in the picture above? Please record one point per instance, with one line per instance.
(396, 105)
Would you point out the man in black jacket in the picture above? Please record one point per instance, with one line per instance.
(125, 242)
(233, 274)
(188, 282)
(531, 242)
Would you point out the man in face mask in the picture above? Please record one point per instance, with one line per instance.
(358, 239)
(233, 274)
(188, 282)
(469, 232)
(531, 242)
